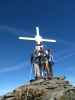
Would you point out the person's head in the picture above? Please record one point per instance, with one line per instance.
(49, 51)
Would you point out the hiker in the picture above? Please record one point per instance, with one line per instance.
(46, 65)
(50, 61)
(35, 63)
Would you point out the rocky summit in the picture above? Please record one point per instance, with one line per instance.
(56, 89)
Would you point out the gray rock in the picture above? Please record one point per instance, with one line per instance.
(55, 89)
(0, 98)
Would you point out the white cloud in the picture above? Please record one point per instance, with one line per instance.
(15, 67)
(62, 58)
(4, 91)
(11, 29)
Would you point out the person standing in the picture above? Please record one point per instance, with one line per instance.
(35, 63)
(50, 61)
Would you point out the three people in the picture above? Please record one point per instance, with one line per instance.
(41, 60)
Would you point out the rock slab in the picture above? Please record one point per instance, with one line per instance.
(55, 89)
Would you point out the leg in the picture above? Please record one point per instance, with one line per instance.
(51, 70)
(48, 70)
(36, 71)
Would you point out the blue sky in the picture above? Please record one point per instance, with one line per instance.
(56, 19)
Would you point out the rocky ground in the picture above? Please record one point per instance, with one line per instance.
(56, 89)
